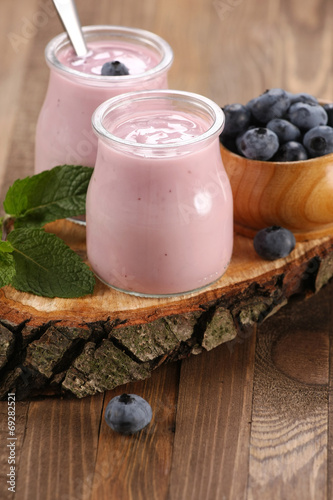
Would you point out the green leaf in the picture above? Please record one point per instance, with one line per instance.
(7, 268)
(46, 266)
(53, 194)
(5, 247)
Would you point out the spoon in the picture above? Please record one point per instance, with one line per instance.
(68, 15)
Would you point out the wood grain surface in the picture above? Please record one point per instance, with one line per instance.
(251, 419)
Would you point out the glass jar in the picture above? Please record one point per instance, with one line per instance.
(76, 87)
(159, 204)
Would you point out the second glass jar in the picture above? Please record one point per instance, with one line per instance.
(76, 87)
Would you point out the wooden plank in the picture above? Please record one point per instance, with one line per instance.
(268, 44)
(330, 408)
(272, 44)
(59, 449)
(17, 27)
(305, 33)
(138, 466)
(21, 414)
(210, 458)
(290, 398)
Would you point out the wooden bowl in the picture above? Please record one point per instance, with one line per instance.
(296, 195)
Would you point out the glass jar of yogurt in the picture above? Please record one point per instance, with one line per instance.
(159, 204)
(76, 87)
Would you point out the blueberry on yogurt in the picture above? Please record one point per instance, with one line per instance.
(114, 68)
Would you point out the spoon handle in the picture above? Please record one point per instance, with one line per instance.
(68, 14)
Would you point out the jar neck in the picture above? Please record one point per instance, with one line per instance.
(158, 123)
(110, 34)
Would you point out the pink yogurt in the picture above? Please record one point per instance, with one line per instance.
(159, 204)
(76, 88)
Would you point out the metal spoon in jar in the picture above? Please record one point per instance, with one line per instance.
(68, 15)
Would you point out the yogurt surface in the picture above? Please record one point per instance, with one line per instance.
(138, 59)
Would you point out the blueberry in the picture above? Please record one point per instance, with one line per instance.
(307, 115)
(237, 119)
(291, 151)
(228, 142)
(258, 143)
(285, 130)
(329, 111)
(271, 104)
(274, 242)
(128, 413)
(302, 97)
(319, 141)
(114, 68)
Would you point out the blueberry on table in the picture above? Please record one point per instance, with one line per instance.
(274, 242)
(273, 103)
(114, 68)
(128, 413)
(291, 151)
(285, 130)
(307, 115)
(258, 143)
(237, 119)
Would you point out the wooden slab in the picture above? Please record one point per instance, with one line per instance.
(99, 342)
(107, 304)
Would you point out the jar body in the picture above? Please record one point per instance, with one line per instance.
(159, 226)
(159, 223)
(63, 133)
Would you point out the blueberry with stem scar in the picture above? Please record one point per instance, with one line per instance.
(114, 68)
(319, 141)
(128, 413)
(258, 143)
(274, 242)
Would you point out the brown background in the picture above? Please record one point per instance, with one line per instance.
(248, 420)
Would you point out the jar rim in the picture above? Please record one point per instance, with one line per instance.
(200, 101)
(135, 34)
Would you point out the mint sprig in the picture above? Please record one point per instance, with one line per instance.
(53, 194)
(33, 260)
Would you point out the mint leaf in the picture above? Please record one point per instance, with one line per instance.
(7, 268)
(46, 266)
(5, 247)
(53, 194)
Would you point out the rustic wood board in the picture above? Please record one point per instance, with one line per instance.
(243, 443)
(244, 421)
(98, 342)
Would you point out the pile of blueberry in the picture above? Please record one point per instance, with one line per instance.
(279, 126)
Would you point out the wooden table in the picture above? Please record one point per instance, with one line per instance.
(251, 419)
